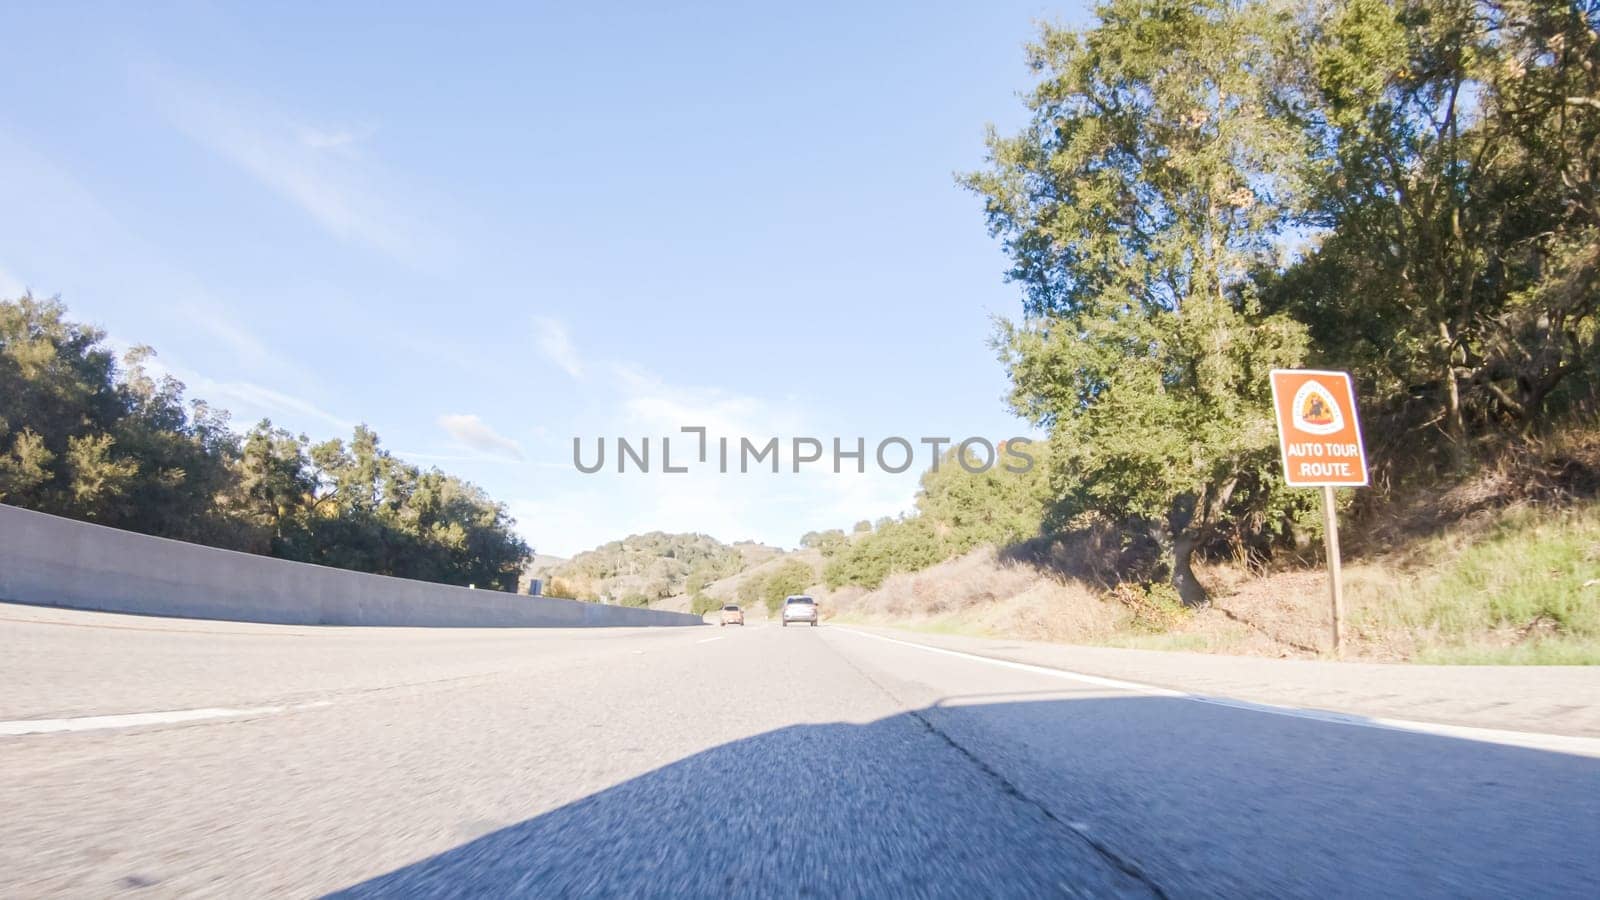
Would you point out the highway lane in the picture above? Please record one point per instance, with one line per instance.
(762, 761)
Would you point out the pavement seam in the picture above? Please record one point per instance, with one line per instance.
(1010, 789)
(1122, 863)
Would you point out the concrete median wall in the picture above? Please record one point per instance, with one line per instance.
(50, 561)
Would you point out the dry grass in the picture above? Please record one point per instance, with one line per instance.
(1499, 567)
(1522, 586)
(981, 594)
(1506, 586)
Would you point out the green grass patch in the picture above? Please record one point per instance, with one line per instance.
(1524, 591)
(1554, 652)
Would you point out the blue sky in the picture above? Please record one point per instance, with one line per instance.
(484, 233)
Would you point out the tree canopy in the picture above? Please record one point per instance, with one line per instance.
(1213, 188)
(84, 437)
(1150, 183)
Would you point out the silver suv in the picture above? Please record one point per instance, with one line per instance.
(799, 608)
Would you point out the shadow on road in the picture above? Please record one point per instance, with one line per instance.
(1099, 796)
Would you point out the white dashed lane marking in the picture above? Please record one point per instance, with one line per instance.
(134, 720)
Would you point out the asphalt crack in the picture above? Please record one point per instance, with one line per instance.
(1006, 786)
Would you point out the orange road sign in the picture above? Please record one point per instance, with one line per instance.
(1319, 433)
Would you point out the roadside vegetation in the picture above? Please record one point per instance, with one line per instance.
(88, 436)
(1210, 189)
(644, 568)
(1514, 585)
(1525, 588)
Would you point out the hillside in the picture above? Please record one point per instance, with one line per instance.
(653, 568)
(1502, 567)
(747, 586)
(538, 566)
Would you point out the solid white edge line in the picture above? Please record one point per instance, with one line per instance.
(135, 720)
(1534, 740)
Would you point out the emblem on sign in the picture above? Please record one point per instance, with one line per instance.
(1315, 411)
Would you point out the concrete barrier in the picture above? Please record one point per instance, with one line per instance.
(51, 561)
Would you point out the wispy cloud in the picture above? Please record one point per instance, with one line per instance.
(247, 401)
(245, 395)
(648, 399)
(91, 249)
(556, 344)
(334, 138)
(242, 345)
(471, 432)
(319, 168)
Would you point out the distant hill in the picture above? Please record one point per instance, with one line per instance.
(539, 566)
(647, 568)
(759, 566)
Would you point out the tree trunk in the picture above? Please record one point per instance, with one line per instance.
(1190, 590)
(1177, 543)
(1454, 421)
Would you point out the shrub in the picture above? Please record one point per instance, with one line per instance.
(792, 577)
(828, 543)
(957, 511)
(750, 589)
(897, 546)
(702, 604)
(995, 506)
(1155, 608)
(560, 588)
(712, 569)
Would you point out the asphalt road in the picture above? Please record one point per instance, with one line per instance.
(703, 761)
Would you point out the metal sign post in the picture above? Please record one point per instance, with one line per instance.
(1319, 436)
(1330, 520)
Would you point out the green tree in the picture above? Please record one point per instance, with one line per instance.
(907, 545)
(81, 438)
(1456, 167)
(1150, 182)
(184, 453)
(713, 568)
(25, 466)
(274, 488)
(790, 577)
(828, 543)
(57, 386)
(99, 481)
(992, 506)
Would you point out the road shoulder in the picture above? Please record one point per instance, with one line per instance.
(1557, 700)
